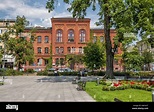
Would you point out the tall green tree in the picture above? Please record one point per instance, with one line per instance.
(133, 60)
(148, 58)
(126, 16)
(20, 46)
(93, 55)
(73, 59)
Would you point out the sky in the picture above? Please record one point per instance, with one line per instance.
(36, 13)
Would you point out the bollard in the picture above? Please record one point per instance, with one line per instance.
(153, 95)
(97, 81)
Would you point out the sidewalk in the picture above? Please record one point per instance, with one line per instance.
(29, 89)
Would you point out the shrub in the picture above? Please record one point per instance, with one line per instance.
(42, 73)
(11, 72)
(105, 88)
(29, 71)
(149, 88)
(120, 87)
(126, 86)
(102, 82)
(112, 88)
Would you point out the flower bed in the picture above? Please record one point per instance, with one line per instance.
(109, 85)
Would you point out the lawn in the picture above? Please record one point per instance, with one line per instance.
(127, 95)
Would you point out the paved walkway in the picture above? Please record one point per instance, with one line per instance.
(41, 89)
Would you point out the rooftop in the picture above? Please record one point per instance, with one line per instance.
(5, 20)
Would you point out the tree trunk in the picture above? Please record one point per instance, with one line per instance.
(108, 44)
(148, 66)
(19, 66)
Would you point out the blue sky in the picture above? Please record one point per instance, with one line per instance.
(36, 13)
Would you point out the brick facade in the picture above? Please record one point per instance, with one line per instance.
(67, 36)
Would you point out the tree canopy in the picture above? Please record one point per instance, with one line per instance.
(94, 55)
(19, 46)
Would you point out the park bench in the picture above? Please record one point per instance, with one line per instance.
(117, 100)
(76, 80)
(81, 85)
(1, 80)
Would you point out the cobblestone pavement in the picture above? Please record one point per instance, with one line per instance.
(41, 89)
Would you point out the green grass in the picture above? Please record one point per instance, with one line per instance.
(127, 95)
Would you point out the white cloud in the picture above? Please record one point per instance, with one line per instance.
(36, 13)
(32, 13)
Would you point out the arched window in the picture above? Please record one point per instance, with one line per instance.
(82, 35)
(70, 35)
(59, 35)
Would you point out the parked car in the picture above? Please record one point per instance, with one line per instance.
(37, 69)
(65, 70)
(51, 70)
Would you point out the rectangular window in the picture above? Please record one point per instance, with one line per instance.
(46, 39)
(0, 47)
(46, 50)
(39, 39)
(57, 50)
(39, 50)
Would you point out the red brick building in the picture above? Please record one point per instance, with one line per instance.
(67, 36)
